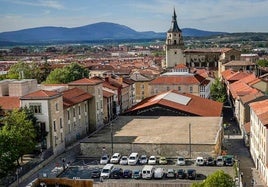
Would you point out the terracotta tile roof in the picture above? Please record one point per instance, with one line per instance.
(108, 85)
(259, 107)
(100, 67)
(264, 118)
(178, 79)
(239, 63)
(247, 127)
(41, 94)
(74, 96)
(180, 66)
(227, 73)
(240, 89)
(183, 102)
(86, 81)
(107, 94)
(237, 76)
(251, 97)
(9, 103)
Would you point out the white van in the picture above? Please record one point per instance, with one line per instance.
(147, 172)
(106, 170)
(133, 159)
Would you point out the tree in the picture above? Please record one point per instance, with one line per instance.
(20, 131)
(23, 70)
(217, 91)
(67, 74)
(218, 178)
(262, 63)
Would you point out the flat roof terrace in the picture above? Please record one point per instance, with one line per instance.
(160, 130)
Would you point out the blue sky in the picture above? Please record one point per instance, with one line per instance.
(140, 15)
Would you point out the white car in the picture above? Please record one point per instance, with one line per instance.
(123, 160)
(152, 160)
(180, 161)
(143, 159)
(200, 161)
(104, 159)
(159, 173)
(115, 158)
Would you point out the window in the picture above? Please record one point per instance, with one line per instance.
(175, 52)
(55, 138)
(74, 112)
(142, 86)
(191, 89)
(179, 88)
(79, 110)
(54, 126)
(57, 107)
(167, 88)
(61, 123)
(36, 108)
(85, 107)
(68, 114)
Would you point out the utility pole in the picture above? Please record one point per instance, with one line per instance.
(112, 138)
(190, 141)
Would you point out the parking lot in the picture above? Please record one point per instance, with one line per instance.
(82, 169)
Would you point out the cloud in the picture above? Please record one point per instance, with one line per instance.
(39, 3)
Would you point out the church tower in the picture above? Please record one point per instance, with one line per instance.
(174, 45)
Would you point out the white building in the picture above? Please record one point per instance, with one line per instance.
(259, 137)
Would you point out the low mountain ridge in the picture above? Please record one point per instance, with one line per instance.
(92, 32)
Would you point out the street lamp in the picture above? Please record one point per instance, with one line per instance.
(190, 141)
(18, 170)
(112, 138)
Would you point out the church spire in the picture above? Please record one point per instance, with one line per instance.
(174, 25)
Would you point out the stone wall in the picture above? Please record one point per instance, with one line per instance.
(168, 150)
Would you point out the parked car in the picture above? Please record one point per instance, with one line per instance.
(136, 174)
(180, 161)
(106, 171)
(220, 161)
(159, 173)
(152, 160)
(127, 173)
(123, 160)
(116, 173)
(163, 160)
(143, 159)
(104, 159)
(171, 173)
(133, 159)
(199, 161)
(181, 174)
(210, 161)
(95, 173)
(191, 174)
(115, 158)
(229, 160)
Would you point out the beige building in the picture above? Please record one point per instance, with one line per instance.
(141, 86)
(76, 114)
(48, 109)
(92, 86)
(183, 82)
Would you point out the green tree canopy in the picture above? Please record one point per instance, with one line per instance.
(23, 70)
(218, 178)
(67, 74)
(20, 132)
(262, 63)
(217, 91)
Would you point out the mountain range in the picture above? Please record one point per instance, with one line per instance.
(92, 32)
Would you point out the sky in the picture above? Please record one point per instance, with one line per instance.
(140, 15)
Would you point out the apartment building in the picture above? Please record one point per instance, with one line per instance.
(259, 137)
(48, 109)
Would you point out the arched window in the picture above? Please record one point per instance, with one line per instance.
(175, 42)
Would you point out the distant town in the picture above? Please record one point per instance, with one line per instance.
(178, 109)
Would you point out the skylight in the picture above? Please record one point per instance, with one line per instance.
(173, 97)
